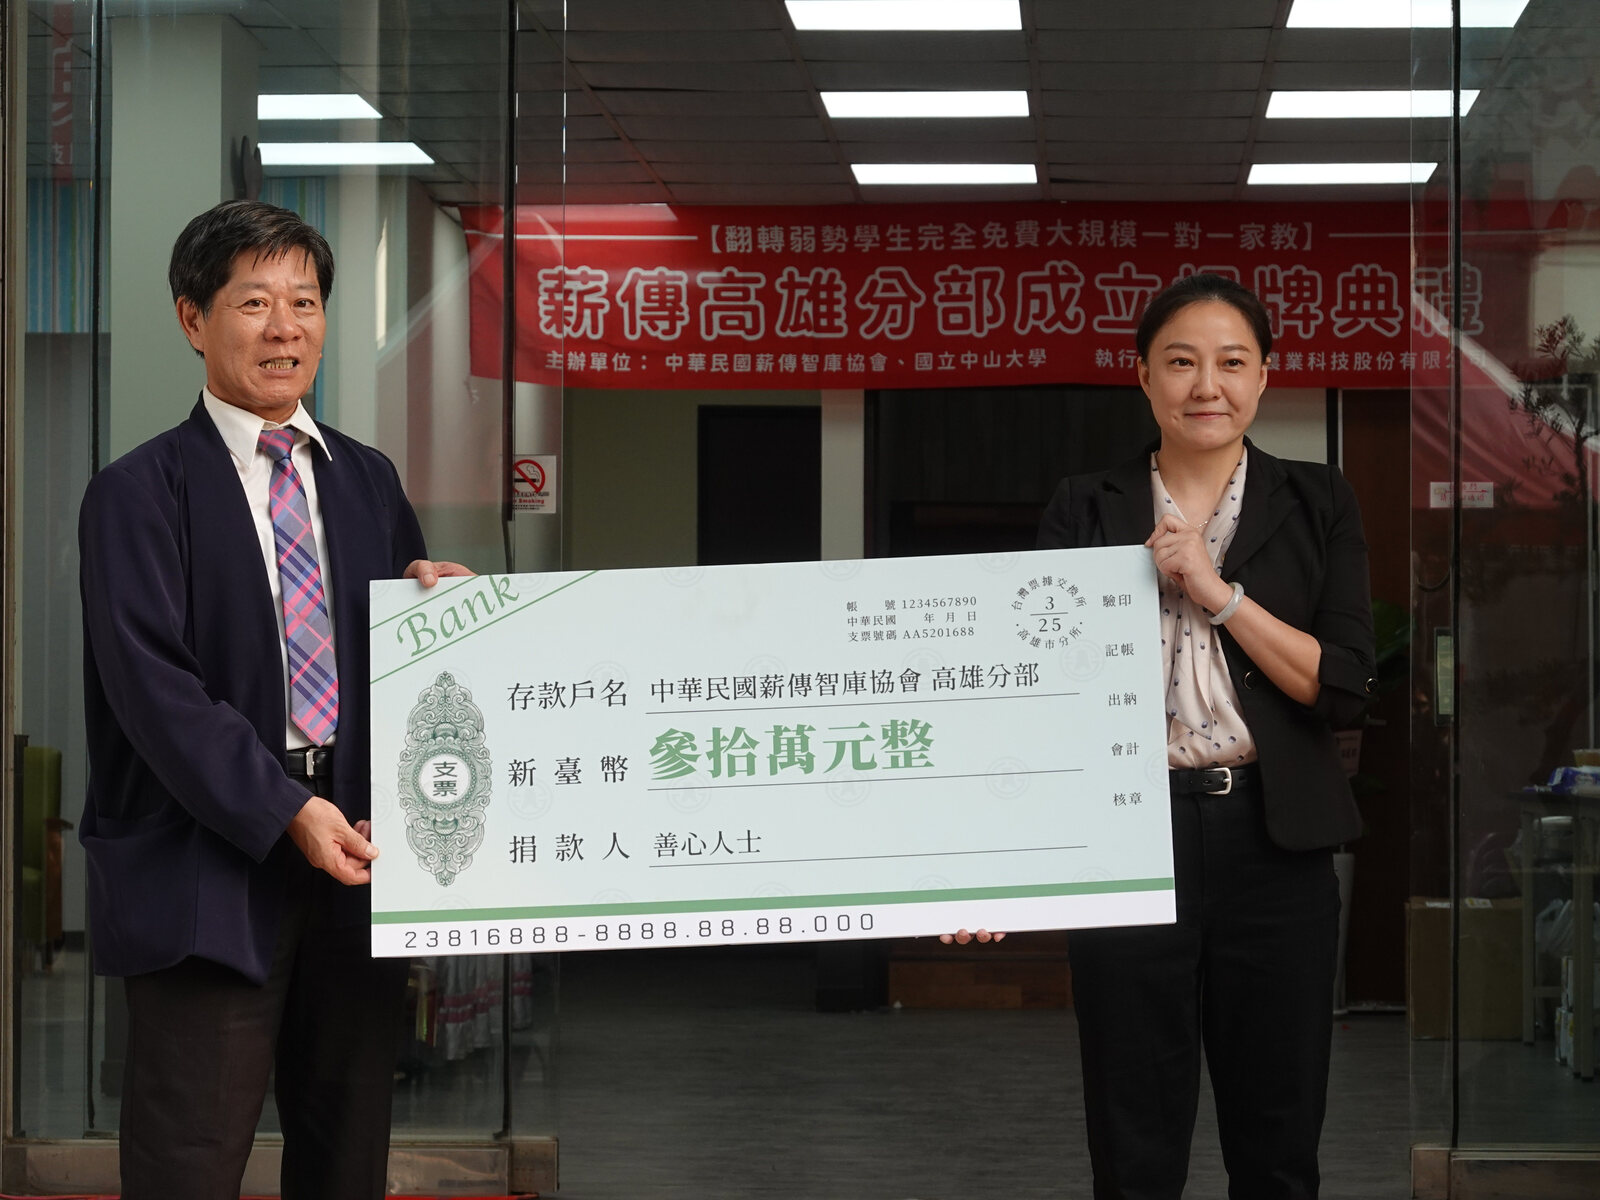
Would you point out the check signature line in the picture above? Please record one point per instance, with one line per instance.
(876, 778)
(773, 862)
(847, 702)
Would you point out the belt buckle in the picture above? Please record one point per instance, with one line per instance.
(1227, 774)
(318, 764)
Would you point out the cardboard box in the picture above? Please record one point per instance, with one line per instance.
(1491, 968)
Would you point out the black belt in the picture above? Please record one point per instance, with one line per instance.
(1214, 781)
(310, 762)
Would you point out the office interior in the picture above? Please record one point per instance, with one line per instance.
(1458, 138)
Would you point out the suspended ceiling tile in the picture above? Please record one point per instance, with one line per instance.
(442, 131)
(987, 151)
(321, 79)
(609, 193)
(608, 173)
(546, 12)
(1377, 132)
(715, 152)
(783, 130)
(1349, 46)
(934, 132)
(413, 14)
(875, 46)
(542, 78)
(891, 76)
(695, 76)
(594, 150)
(753, 193)
(1180, 176)
(1146, 129)
(625, 102)
(1102, 193)
(390, 130)
(625, 15)
(1240, 103)
(1165, 46)
(672, 45)
(1339, 152)
(1150, 77)
(1345, 193)
(1390, 75)
(478, 154)
(581, 128)
(753, 173)
(400, 47)
(431, 105)
(536, 47)
(540, 113)
(1133, 21)
(254, 14)
(974, 193)
(1146, 152)
(469, 192)
(289, 48)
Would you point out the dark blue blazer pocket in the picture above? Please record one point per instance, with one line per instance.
(143, 878)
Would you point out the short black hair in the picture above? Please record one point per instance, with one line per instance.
(204, 254)
(1192, 289)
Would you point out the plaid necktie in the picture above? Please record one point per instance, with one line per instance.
(313, 674)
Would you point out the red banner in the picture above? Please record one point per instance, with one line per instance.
(897, 296)
(61, 98)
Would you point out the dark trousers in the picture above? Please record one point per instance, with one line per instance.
(203, 1040)
(1247, 973)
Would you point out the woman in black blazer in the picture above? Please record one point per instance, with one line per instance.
(1267, 646)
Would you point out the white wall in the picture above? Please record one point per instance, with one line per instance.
(1293, 423)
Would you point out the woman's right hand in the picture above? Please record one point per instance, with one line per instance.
(962, 937)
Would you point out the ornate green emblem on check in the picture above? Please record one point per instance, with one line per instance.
(444, 779)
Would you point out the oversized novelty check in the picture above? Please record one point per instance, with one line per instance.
(697, 756)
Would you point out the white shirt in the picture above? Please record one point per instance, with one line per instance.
(240, 430)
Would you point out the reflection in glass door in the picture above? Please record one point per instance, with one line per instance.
(375, 122)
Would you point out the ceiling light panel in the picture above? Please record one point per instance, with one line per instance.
(1288, 174)
(342, 154)
(320, 106)
(918, 174)
(1363, 105)
(933, 15)
(1398, 14)
(843, 105)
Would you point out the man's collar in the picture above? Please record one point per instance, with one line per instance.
(241, 429)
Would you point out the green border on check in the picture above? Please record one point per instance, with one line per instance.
(1024, 891)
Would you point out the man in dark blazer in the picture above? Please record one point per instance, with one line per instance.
(226, 825)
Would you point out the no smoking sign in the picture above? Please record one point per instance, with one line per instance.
(533, 483)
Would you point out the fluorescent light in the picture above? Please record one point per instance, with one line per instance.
(1398, 14)
(1359, 172)
(905, 14)
(868, 174)
(323, 106)
(926, 104)
(1364, 104)
(342, 154)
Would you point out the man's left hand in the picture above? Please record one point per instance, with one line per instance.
(428, 573)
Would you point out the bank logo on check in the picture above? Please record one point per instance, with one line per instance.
(445, 779)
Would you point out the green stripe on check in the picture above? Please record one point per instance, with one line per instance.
(745, 904)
